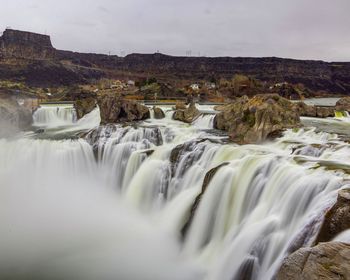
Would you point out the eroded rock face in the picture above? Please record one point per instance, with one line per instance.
(13, 117)
(114, 109)
(158, 113)
(187, 115)
(21, 44)
(337, 219)
(324, 261)
(257, 119)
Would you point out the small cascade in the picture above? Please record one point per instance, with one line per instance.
(342, 115)
(49, 115)
(204, 121)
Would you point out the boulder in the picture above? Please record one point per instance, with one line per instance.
(325, 112)
(324, 261)
(13, 117)
(84, 106)
(337, 219)
(343, 104)
(180, 105)
(257, 119)
(84, 101)
(114, 109)
(158, 113)
(187, 115)
(305, 110)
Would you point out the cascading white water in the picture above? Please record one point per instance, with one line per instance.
(58, 115)
(113, 205)
(204, 121)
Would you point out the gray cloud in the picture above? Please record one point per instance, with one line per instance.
(307, 29)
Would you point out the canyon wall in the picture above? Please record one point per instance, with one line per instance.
(32, 54)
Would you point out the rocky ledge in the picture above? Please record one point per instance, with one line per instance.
(113, 108)
(324, 261)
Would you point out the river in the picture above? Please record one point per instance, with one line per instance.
(84, 201)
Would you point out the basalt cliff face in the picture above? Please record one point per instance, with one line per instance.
(32, 58)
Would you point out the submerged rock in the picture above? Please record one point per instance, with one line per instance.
(114, 109)
(187, 115)
(158, 113)
(324, 261)
(337, 219)
(257, 119)
(13, 117)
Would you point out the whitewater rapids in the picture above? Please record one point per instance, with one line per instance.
(113, 204)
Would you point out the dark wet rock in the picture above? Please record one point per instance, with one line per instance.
(257, 119)
(148, 152)
(337, 219)
(192, 149)
(187, 115)
(207, 179)
(158, 113)
(13, 117)
(114, 109)
(324, 261)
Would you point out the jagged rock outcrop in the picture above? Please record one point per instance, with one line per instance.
(158, 113)
(13, 117)
(257, 119)
(337, 219)
(324, 261)
(187, 115)
(114, 109)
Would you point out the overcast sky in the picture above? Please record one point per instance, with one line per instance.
(306, 29)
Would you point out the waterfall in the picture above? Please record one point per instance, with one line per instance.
(59, 115)
(204, 121)
(136, 202)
